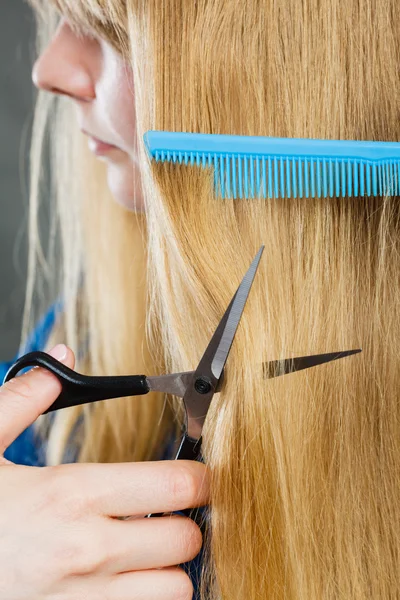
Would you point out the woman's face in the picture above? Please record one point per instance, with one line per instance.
(100, 84)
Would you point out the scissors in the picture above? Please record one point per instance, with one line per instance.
(196, 388)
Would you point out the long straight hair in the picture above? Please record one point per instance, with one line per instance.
(305, 467)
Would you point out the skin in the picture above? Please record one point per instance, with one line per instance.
(61, 537)
(100, 85)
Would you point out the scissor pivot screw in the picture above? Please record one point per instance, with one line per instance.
(203, 385)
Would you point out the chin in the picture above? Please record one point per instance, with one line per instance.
(121, 181)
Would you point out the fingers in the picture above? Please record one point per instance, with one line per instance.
(72, 553)
(121, 489)
(165, 584)
(25, 397)
(141, 544)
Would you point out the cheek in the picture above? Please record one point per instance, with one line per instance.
(125, 122)
(124, 115)
(115, 98)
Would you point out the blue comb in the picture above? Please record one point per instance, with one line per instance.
(268, 167)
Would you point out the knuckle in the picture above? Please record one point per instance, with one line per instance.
(18, 387)
(184, 485)
(76, 556)
(66, 556)
(94, 554)
(182, 585)
(66, 492)
(80, 554)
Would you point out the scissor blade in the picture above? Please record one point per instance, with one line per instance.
(208, 374)
(275, 368)
(222, 340)
(177, 383)
(213, 360)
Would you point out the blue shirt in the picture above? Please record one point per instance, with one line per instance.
(28, 450)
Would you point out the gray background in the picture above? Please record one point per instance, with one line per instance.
(17, 95)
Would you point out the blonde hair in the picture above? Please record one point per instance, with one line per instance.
(305, 467)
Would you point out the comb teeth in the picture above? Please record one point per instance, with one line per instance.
(243, 176)
(265, 167)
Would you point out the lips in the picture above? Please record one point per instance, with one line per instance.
(97, 146)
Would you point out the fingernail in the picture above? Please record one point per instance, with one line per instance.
(59, 352)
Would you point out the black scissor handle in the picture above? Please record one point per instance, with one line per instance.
(190, 448)
(77, 388)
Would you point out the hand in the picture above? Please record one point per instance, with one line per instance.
(60, 537)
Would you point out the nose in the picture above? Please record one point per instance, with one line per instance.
(64, 67)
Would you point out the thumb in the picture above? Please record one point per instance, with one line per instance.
(25, 397)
